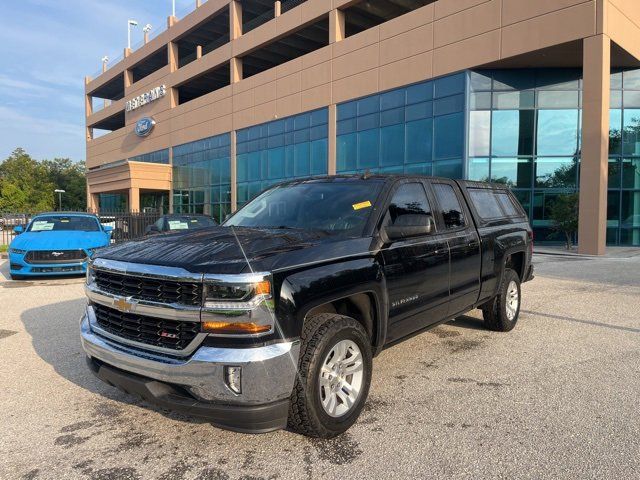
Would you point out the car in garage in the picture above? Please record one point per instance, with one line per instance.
(56, 244)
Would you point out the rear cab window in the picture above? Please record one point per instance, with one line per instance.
(493, 204)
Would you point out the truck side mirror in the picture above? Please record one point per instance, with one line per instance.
(18, 230)
(409, 226)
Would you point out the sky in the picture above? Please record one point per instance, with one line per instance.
(47, 47)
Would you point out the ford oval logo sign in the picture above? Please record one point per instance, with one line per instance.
(144, 126)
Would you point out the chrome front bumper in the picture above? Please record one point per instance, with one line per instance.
(268, 372)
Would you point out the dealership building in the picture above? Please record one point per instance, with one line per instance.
(237, 95)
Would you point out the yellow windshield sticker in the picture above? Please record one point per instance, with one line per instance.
(361, 205)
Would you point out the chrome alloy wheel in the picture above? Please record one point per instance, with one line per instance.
(513, 300)
(341, 378)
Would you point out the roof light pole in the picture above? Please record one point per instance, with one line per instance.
(130, 23)
(59, 192)
(147, 28)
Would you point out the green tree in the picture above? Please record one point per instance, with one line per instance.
(564, 216)
(24, 184)
(69, 176)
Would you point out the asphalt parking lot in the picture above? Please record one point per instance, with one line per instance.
(556, 398)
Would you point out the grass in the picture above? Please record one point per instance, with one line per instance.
(4, 248)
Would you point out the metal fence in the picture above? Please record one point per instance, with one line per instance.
(126, 225)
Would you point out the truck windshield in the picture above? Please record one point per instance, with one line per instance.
(61, 223)
(336, 207)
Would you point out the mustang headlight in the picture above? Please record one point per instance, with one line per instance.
(238, 308)
(17, 251)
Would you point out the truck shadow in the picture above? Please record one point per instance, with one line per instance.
(468, 322)
(55, 336)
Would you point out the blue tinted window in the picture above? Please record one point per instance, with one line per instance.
(449, 85)
(557, 132)
(631, 132)
(448, 136)
(287, 148)
(512, 132)
(202, 176)
(393, 132)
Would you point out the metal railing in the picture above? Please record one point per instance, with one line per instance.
(126, 225)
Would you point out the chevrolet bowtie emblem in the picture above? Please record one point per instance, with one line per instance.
(123, 304)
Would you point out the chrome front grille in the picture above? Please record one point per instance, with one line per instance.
(152, 289)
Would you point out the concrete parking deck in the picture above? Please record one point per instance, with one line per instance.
(555, 398)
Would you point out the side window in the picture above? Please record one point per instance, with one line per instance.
(409, 206)
(451, 209)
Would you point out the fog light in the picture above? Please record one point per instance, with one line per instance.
(233, 379)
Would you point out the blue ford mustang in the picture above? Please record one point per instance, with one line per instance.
(56, 244)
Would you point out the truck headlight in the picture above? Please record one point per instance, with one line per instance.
(238, 309)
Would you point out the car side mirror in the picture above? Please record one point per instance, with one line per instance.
(152, 230)
(107, 228)
(410, 226)
(18, 230)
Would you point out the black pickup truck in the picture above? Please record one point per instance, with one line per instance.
(272, 319)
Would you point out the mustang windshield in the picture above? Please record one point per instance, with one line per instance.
(338, 207)
(58, 223)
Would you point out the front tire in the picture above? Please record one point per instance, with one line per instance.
(502, 312)
(16, 277)
(334, 375)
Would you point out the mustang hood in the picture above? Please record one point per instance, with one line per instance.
(231, 249)
(63, 240)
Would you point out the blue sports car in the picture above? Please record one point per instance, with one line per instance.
(56, 244)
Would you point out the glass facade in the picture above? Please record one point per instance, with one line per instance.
(416, 129)
(113, 202)
(524, 131)
(519, 127)
(270, 153)
(623, 212)
(161, 156)
(202, 177)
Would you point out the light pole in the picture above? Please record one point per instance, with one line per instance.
(173, 9)
(60, 192)
(147, 28)
(130, 23)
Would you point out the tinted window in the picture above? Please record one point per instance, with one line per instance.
(508, 206)
(338, 207)
(409, 206)
(450, 205)
(492, 204)
(486, 203)
(61, 223)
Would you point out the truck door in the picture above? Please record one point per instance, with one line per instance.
(464, 246)
(417, 268)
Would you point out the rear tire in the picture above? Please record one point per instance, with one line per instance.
(334, 375)
(502, 312)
